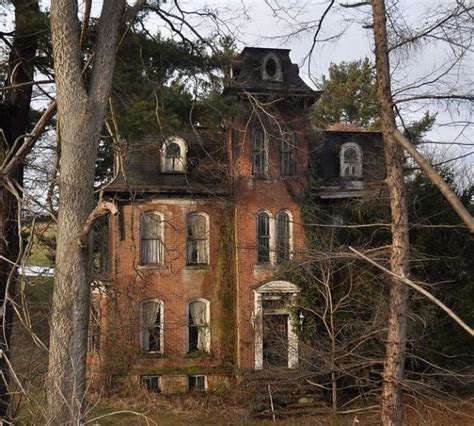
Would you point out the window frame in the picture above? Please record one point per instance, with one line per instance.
(183, 147)
(260, 151)
(195, 376)
(269, 237)
(278, 74)
(343, 163)
(160, 239)
(288, 151)
(205, 240)
(207, 326)
(143, 327)
(145, 377)
(288, 213)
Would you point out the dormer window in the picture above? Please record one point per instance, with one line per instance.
(271, 68)
(173, 155)
(351, 160)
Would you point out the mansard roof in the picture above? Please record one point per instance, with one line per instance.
(206, 170)
(249, 74)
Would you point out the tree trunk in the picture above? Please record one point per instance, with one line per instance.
(81, 112)
(394, 365)
(14, 120)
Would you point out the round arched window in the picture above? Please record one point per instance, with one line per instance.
(271, 67)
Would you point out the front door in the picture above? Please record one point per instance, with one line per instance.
(275, 340)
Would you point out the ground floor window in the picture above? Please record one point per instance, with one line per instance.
(197, 383)
(151, 383)
(198, 326)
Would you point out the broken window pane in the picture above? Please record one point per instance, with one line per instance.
(287, 154)
(263, 238)
(198, 327)
(259, 157)
(151, 326)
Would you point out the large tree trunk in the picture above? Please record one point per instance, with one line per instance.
(14, 119)
(81, 111)
(394, 366)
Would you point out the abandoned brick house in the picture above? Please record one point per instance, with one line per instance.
(206, 220)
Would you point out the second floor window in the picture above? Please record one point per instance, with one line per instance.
(282, 237)
(259, 152)
(151, 239)
(151, 322)
(287, 155)
(197, 246)
(263, 237)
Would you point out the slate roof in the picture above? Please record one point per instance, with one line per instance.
(206, 171)
(247, 74)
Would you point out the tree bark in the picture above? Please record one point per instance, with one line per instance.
(14, 120)
(81, 110)
(394, 364)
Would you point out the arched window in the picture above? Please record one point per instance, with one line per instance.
(271, 68)
(197, 239)
(283, 236)
(263, 237)
(151, 326)
(174, 155)
(151, 238)
(351, 160)
(287, 154)
(259, 152)
(198, 326)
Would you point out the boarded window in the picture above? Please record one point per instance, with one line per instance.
(260, 154)
(198, 326)
(151, 326)
(287, 154)
(197, 240)
(151, 243)
(283, 237)
(263, 238)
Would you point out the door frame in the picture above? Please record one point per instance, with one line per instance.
(278, 287)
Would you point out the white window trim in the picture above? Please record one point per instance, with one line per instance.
(208, 232)
(278, 71)
(290, 217)
(162, 236)
(208, 320)
(162, 328)
(358, 151)
(274, 287)
(183, 153)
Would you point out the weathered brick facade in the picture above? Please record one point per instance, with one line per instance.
(217, 178)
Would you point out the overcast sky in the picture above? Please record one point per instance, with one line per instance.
(281, 23)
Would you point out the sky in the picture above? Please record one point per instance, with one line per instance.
(291, 24)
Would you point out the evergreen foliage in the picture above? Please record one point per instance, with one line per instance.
(349, 96)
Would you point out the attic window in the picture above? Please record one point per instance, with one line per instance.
(271, 69)
(173, 155)
(351, 160)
